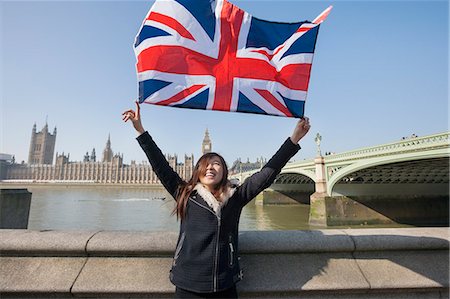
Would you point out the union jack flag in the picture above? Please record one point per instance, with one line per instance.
(212, 55)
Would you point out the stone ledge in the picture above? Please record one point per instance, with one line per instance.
(405, 269)
(381, 263)
(39, 274)
(295, 241)
(22, 242)
(132, 243)
(400, 239)
(113, 243)
(126, 276)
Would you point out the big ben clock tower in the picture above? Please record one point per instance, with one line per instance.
(206, 145)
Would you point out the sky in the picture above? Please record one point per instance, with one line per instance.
(380, 73)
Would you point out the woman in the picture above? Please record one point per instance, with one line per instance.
(205, 264)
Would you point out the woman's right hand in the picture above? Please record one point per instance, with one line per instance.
(134, 117)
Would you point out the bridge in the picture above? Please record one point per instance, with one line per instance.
(371, 185)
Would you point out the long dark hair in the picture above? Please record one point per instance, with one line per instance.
(185, 189)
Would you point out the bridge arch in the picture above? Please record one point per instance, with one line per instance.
(289, 176)
(336, 177)
(303, 175)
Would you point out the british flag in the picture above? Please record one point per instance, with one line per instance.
(212, 55)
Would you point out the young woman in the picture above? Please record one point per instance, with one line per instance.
(206, 263)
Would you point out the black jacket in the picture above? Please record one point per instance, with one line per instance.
(206, 254)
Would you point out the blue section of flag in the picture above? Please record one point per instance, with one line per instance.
(203, 12)
(245, 105)
(305, 44)
(268, 34)
(148, 87)
(148, 32)
(296, 107)
(197, 102)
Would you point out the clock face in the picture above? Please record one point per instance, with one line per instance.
(207, 146)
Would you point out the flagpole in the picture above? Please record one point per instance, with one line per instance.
(318, 20)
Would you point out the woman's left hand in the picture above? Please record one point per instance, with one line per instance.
(300, 130)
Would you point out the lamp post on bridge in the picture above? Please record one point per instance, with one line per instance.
(321, 180)
(318, 139)
(318, 214)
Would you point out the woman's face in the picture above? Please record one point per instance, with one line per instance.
(213, 174)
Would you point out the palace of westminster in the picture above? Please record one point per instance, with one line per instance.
(110, 169)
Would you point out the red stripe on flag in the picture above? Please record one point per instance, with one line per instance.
(230, 26)
(274, 102)
(265, 53)
(303, 29)
(295, 76)
(171, 22)
(181, 95)
(175, 60)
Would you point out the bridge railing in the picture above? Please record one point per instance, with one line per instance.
(412, 144)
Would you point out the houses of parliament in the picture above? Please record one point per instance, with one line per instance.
(109, 170)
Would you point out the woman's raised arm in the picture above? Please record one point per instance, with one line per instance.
(168, 177)
(259, 181)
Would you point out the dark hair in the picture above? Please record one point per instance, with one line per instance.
(186, 188)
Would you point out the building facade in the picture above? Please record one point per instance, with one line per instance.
(239, 166)
(42, 146)
(110, 170)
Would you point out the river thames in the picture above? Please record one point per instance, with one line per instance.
(138, 208)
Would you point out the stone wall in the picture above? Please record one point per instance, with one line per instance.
(364, 263)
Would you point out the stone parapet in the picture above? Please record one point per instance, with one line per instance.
(347, 263)
(14, 208)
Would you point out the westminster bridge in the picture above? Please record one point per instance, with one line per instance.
(400, 182)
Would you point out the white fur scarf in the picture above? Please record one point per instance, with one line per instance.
(215, 204)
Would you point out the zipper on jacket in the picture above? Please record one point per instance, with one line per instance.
(215, 282)
(217, 255)
(177, 251)
(230, 244)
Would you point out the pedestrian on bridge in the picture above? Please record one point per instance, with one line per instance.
(205, 264)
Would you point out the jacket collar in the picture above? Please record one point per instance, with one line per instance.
(215, 204)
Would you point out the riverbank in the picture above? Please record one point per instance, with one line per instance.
(15, 185)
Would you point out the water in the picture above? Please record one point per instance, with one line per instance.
(138, 208)
(141, 209)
